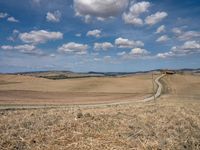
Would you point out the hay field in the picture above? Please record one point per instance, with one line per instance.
(182, 87)
(170, 123)
(161, 125)
(20, 89)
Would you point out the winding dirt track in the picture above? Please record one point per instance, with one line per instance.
(157, 94)
(159, 89)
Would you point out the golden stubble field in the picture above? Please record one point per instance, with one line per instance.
(172, 123)
(19, 89)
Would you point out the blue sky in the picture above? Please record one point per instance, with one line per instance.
(96, 35)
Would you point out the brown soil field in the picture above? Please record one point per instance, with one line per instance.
(20, 89)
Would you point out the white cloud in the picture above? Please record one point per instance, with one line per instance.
(3, 15)
(99, 9)
(132, 16)
(160, 29)
(7, 47)
(188, 35)
(73, 48)
(12, 19)
(103, 46)
(134, 53)
(53, 16)
(40, 36)
(165, 55)
(139, 52)
(26, 48)
(9, 18)
(185, 35)
(189, 47)
(126, 43)
(162, 38)
(155, 18)
(96, 33)
(121, 53)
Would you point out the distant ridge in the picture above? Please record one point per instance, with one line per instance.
(102, 73)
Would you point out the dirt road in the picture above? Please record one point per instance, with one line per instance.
(159, 89)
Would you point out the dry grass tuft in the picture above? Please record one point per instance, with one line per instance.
(140, 126)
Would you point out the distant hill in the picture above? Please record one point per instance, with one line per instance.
(55, 75)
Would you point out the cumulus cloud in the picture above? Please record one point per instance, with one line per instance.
(189, 47)
(12, 19)
(9, 18)
(96, 33)
(155, 18)
(126, 43)
(121, 53)
(139, 52)
(160, 29)
(3, 15)
(26, 48)
(162, 38)
(99, 9)
(165, 55)
(53, 16)
(134, 53)
(188, 35)
(185, 35)
(132, 16)
(103, 46)
(73, 48)
(40, 36)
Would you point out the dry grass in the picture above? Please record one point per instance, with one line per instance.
(140, 126)
(25, 89)
(129, 84)
(182, 87)
(173, 122)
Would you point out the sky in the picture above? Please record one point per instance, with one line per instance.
(96, 35)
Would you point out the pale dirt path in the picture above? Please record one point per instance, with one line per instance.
(158, 93)
(159, 89)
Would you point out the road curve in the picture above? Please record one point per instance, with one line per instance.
(159, 89)
(158, 93)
